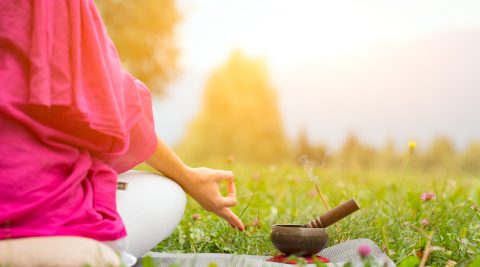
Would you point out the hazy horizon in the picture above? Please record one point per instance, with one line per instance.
(415, 84)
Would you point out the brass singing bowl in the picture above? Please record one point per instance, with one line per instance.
(294, 239)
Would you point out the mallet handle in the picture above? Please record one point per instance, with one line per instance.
(334, 215)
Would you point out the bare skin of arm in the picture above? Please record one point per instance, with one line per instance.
(202, 184)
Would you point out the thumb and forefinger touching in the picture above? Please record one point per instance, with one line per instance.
(229, 201)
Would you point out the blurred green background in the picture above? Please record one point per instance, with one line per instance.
(239, 115)
(370, 100)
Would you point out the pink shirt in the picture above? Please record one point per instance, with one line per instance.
(70, 120)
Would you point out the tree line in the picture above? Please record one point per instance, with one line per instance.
(239, 119)
(439, 154)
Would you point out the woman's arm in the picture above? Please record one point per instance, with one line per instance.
(200, 183)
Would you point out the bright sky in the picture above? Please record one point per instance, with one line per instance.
(286, 32)
(302, 40)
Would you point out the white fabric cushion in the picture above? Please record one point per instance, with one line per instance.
(56, 251)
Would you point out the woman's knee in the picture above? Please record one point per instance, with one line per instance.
(145, 185)
(151, 193)
(151, 207)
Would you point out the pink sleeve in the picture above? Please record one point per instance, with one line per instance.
(142, 140)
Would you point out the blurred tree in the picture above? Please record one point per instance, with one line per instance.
(239, 116)
(316, 153)
(441, 153)
(470, 159)
(303, 145)
(388, 157)
(143, 32)
(354, 154)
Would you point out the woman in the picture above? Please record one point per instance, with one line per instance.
(72, 120)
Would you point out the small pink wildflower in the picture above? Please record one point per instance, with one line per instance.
(364, 251)
(426, 196)
(196, 216)
(313, 193)
(424, 222)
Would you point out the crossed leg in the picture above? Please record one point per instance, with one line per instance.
(151, 207)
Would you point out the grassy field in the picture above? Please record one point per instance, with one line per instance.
(392, 213)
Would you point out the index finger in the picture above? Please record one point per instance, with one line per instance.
(231, 199)
(225, 175)
(231, 190)
(231, 218)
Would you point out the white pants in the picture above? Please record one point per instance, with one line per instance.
(151, 207)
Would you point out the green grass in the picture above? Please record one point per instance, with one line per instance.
(390, 215)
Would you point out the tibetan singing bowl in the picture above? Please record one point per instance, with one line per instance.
(309, 238)
(298, 240)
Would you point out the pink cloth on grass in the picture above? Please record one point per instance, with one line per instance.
(70, 120)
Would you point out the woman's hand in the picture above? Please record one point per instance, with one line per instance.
(200, 183)
(203, 186)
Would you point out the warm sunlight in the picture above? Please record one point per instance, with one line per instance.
(287, 32)
(322, 54)
(237, 133)
(325, 28)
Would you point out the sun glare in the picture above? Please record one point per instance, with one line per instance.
(285, 32)
(293, 31)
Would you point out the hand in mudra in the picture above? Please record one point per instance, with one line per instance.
(203, 186)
